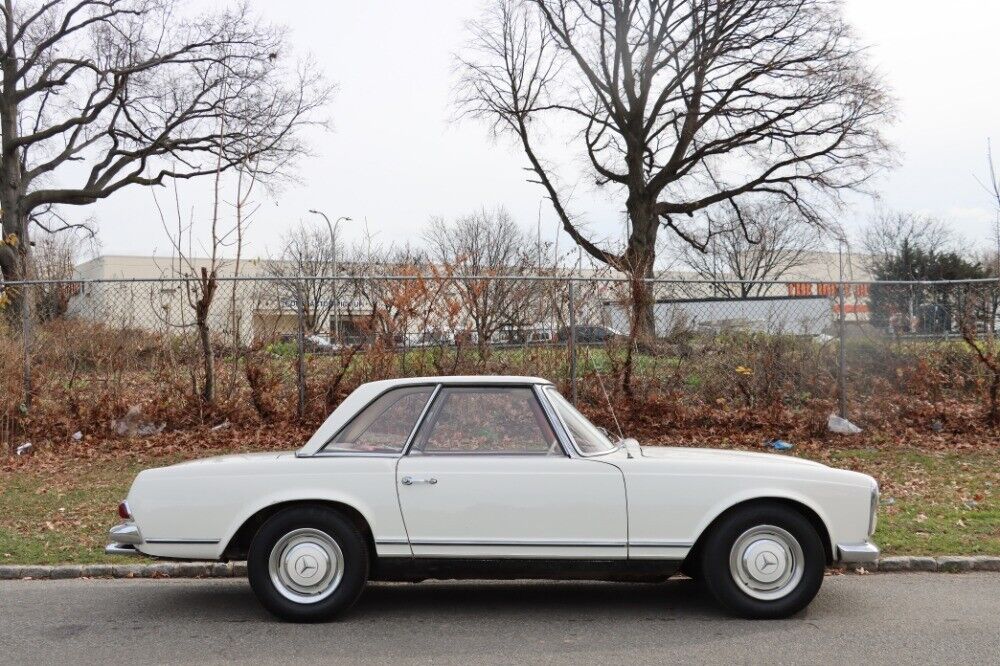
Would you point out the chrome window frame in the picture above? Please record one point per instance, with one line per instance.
(562, 434)
(562, 424)
(534, 388)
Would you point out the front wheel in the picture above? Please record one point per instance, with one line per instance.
(307, 564)
(764, 561)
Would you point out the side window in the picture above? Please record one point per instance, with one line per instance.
(487, 420)
(385, 425)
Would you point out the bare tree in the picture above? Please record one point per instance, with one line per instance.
(53, 260)
(480, 245)
(891, 234)
(264, 159)
(99, 95)
(680, 105)
(992, 187)
(750, 245)
(307, 250)
(391, 307)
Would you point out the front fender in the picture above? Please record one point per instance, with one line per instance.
(765, 493)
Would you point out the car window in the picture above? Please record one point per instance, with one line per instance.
(584, 433)
(487, 420)
(385, 425)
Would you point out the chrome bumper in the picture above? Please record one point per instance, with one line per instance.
(857, 553)
(124, 539)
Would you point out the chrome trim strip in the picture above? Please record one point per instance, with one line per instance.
(192, 542)
(350, 454)
(391, 542)
(857, 553)
(542, 543)
(536, 543)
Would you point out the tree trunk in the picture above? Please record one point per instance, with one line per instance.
(208, 388)
(14, 245)
(14, 219)
(639, 258)
(207, 288)
(15, 256)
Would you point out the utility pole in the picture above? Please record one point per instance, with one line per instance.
(332, 228)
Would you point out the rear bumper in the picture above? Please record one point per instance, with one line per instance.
(124, 539)
(857, 553)
(120, 549)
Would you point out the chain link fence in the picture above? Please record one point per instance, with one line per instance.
(181, 352)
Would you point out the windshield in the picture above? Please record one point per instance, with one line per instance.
(588, 438)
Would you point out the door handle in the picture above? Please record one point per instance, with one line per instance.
(412, 481)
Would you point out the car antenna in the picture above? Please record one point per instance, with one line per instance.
(607, 398)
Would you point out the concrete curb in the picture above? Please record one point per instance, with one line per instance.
(943, 564)
(153, 570)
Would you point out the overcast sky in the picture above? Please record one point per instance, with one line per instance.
(396, 158)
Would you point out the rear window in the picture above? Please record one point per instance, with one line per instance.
(385, 425)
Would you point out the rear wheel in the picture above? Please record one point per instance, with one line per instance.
(763, 561)
(307, 564)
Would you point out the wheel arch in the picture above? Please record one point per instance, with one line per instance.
(803, 508)
(239, 543)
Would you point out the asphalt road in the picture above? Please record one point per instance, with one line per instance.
(884, 618)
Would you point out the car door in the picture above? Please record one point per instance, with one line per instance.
(487, 476)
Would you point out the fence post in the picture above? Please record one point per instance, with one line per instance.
(301, 352)
(572, 342)
(26, 339)
(842, 350)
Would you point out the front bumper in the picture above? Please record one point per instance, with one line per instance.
(857, 553)
(124, 539)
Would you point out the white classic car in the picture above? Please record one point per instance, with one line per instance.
(499, 477)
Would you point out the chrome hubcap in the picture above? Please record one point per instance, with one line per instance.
(306, 565)
(766, 562)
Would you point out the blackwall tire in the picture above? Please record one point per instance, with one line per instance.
(308, 564)
(763, 561)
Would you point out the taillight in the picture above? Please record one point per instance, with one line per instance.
(124, 511)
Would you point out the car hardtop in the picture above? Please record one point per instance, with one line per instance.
(454, 380)
(366, 393)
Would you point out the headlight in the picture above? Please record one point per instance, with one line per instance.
(873, 518)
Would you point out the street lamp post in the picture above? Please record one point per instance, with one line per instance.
(333, 241)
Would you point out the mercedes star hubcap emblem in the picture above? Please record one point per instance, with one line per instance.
(766, 562)
(306, 566)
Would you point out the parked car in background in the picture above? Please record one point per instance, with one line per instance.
(313, 343)
(589, 334)
(499, 477)
(524, 334)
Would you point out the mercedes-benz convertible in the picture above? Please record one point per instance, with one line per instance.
(499, 478)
